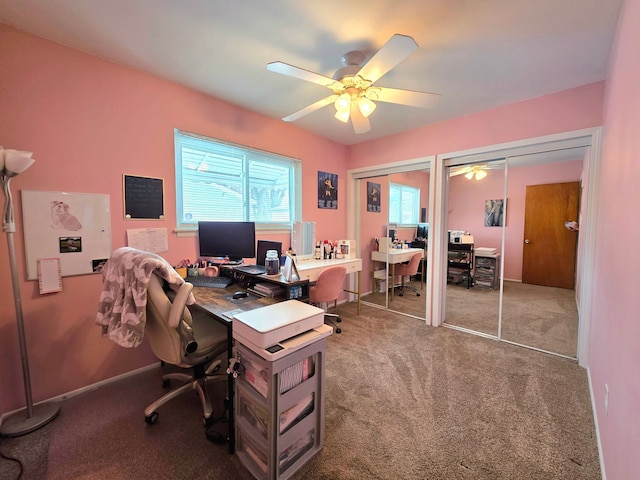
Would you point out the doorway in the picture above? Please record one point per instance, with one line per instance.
(549, 246)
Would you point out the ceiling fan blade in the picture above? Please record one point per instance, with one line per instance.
(311, 108)
(458, 171)
(391, 54)
(403, 97)
(360, 122)
(301, 73)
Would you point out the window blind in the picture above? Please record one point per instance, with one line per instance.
(217, 180)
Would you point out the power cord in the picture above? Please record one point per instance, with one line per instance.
(12, 459)
(216, 436)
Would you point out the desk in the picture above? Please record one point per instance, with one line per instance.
(218, 302)
(394, 256)
(311, 269)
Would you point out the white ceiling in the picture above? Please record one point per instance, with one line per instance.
(477, 54)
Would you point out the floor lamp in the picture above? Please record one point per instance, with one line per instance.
(12, 163)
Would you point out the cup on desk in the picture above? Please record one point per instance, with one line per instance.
(182, 271)
(192, 271)
(211, 271)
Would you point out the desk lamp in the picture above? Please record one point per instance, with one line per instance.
(12, 163)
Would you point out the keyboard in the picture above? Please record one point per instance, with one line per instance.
(213, 282)
(251, 269)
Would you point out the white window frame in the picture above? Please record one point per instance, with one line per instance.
(240, 161)
(396, 212)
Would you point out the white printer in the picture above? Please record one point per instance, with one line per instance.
(279, 329)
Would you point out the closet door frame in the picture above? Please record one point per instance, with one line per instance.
(354, 195)
(589, 138)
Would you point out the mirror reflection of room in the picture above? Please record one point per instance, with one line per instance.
(533, 312)
(475, 201)
(400, 232)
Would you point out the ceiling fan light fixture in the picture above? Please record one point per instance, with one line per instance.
(343, 103)
(342, 115)
(366, 106)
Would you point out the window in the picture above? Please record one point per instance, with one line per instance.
(404, 204)
(218, 180)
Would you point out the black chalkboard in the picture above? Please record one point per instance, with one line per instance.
(143, 198)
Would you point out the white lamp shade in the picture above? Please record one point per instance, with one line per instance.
(343, 102)
(342, 115)
(14, 162)
(366, 106)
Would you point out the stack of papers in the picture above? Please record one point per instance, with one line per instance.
(269, 289)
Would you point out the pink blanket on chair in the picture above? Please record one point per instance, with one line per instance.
(123, 301)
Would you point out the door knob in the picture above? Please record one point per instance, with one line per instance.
(527, 241)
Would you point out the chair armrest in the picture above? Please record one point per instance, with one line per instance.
(176, 321)
(178, 304)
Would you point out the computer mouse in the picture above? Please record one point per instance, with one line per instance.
(239, 295)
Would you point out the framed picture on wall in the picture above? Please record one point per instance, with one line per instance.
(494, 213)
(373, 197)
(327, 190)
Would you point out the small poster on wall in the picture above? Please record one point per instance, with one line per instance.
(494, 213)
(373, 197)
(327, 190)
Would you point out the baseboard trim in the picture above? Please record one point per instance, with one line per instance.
(88, 388)
(595, 423)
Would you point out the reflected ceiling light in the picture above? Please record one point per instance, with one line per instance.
(476, 171)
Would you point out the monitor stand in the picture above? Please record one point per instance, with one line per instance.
(226, 261)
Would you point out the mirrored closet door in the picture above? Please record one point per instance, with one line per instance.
(521, 216)
(397, 233)
(475, 222)
(539, 305)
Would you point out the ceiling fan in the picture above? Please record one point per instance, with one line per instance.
(471, 171)
(352, 86)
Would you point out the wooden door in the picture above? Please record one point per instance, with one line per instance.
(549, 249)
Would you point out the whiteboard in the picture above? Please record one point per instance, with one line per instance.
(76, 227)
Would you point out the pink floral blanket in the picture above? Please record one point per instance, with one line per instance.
(123, 301)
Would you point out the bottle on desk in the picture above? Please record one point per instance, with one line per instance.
(272, 263)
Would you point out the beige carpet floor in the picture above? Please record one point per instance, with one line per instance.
(403, 401)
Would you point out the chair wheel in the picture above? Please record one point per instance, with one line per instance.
(151, 419)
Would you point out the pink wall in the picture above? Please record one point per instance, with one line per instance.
(615, 333)
(560, 112)
(88, 121)
(466, 206)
